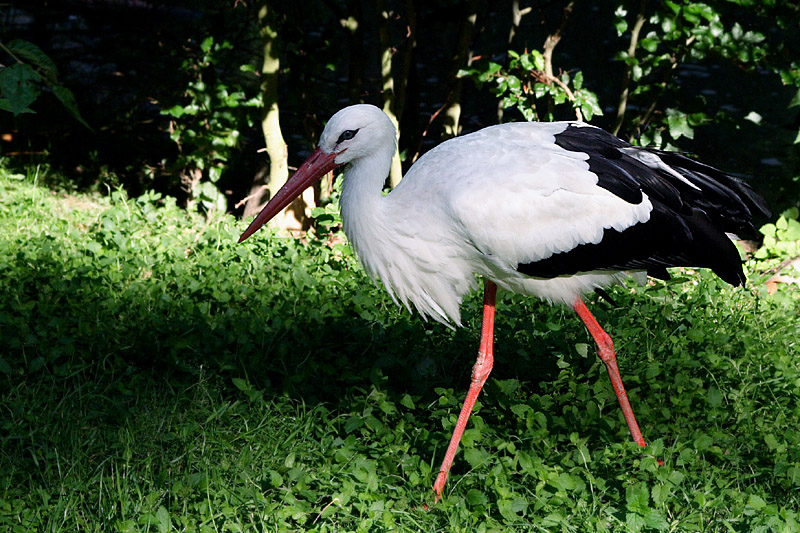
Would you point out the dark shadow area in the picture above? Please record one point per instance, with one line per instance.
(67, 334)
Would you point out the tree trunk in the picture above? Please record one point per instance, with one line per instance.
(550, 45)
(355, 39)
(387, 51)
(408, 60)
(296, 215)
(516, 20)
(461, 59)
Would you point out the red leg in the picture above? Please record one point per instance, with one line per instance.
(480, 372)
(605, 349)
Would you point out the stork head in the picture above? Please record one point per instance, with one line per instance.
(357, 131)
(352, 133)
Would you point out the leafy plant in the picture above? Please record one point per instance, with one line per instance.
(522, 84)
(677, 33)
(779, 254)
(781, 239)
(21, 83)
(207, 124)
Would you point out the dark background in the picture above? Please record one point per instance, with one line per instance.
(126, 61)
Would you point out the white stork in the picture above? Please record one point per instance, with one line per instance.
(553, 210)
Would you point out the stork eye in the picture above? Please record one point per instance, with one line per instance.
(346, 135)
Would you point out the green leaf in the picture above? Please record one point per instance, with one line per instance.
(526, 62)
(475, 456)
(655, 519)
(163, 521)
(792, 231)
(31, 53)
(519, 506)
(789, 76)
(649, 43)
(466, 72)
(703, 442)
(714, 397)
(538, 59)
(661, 494)
(242, 384)
(577, 80)
(567, 482)
(768, 230)
(18, 85)
(493, 68)
(771, 441)
(513, 82)
(476, 497)
(506, 508)
(754, 503)
(589, 104)
(674, 7)
(637, 498)
(207, 43)
(621, 26)
(678, 124)
(353, 423)
(289, 461)
(634, 522)
(68, 100)
(507, 386)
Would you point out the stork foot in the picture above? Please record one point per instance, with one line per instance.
(438, 486)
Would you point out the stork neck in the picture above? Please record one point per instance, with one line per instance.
(362, 188)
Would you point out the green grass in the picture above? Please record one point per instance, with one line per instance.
(155, 376)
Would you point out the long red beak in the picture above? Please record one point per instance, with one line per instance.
(317, 165)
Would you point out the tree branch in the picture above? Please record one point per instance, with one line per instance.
(544, 78)
(516, 20)
(552, 40)
(626, 80)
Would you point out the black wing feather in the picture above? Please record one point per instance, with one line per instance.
(687, 227)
